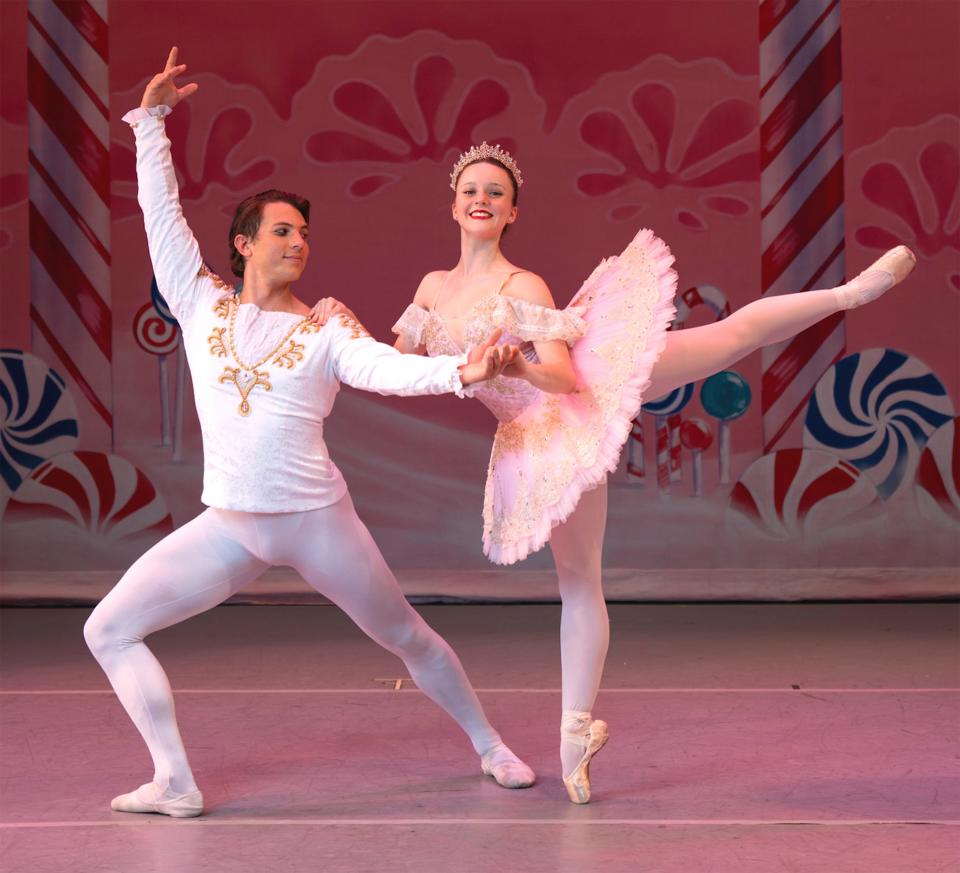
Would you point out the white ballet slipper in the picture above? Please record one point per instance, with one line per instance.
(150, 798)
(506, 768)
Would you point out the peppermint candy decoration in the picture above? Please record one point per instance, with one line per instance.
(38, 418)
(153, 333)
(794, 493)
(877, 409)
(103, 495)
(159, 304)
(938, 476)
(671, 403)
(701, 295)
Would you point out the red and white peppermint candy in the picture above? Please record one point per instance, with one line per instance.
(793, 493)
(154, 334)
(103, 495)
(938, 476)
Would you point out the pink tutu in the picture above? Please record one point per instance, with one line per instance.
(550, 448)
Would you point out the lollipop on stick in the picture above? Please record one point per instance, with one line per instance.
(662, 408)
(696, 436)
(636, 465)
(715, 301)
(725, 396)
(159, 337)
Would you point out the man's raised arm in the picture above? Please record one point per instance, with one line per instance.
(173, 249)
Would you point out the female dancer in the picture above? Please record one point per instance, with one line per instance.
(274, 496)
(565, 412)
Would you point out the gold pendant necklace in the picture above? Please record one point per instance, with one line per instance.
(245, 376)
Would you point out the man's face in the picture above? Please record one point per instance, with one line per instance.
(279, 250)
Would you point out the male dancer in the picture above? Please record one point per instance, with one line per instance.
(264, 379)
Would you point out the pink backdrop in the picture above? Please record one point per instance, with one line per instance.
(622, 115)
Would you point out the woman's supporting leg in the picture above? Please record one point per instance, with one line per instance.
(335, 553)
(696, 353)
(193, 569)
(577, 547)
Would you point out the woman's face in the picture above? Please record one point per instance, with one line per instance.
(484, 200)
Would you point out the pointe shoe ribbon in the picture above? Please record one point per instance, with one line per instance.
(592, 735)
(150, 798)
(509, 771)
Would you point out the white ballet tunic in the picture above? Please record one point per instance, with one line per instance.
(263, 381)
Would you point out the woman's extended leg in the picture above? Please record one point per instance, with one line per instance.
(695, 353)
(577, 547)
(336, 555)
(195, 568)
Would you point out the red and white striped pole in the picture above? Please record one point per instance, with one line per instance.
(801, 192)
(69, 167)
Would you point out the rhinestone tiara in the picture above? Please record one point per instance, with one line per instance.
(478, 153)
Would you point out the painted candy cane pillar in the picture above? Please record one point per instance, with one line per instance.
(801, 191)
(69, 161)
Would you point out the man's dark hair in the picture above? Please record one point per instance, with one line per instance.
(246, 220)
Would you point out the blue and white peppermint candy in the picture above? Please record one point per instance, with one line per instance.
(38, 418)
(159, 303)
(669, 404)
(877, 409)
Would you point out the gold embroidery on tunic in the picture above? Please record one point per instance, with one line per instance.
(245, 383)
(222, 307)
(218, 347)
(287, 353)
(205, 273)
(356, 329)
(289, 356)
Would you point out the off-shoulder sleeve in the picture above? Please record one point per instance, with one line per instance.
(535, 323)
(410, 324)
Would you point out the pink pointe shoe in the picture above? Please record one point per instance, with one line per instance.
(592, 734)
(888, 270)
(151, 798)
(506, 768)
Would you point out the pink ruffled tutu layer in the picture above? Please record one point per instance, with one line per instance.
(564, 444)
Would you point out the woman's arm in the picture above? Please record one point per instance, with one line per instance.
(425, 294)
(554, 373)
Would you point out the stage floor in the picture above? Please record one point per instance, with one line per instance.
(744, 738)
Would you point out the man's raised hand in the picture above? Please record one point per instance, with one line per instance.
(162, 90)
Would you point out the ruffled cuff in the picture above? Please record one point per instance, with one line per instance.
(410, 324)
(534, 323)
(135, 116)
(456, 386)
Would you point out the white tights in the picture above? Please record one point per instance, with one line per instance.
(690, 355)
(212, 557)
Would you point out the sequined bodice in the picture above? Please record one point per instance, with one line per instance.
(505, 397)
